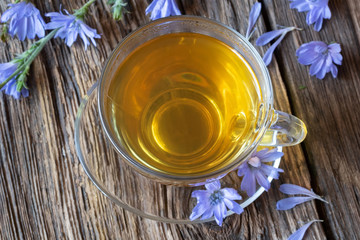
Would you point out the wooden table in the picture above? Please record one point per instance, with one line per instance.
(45, 194)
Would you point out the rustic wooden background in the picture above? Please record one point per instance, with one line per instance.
(45, 194)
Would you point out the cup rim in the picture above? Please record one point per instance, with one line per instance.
(174, 179)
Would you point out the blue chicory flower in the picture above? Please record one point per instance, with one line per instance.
(6, 70)
(162, 8)
(25, 21)
(288, 203)
(318, 10)
(321, 57)
(254, 15)
(70, 28)
(214, 201)
(268, 37)
(255, 170)
(299, 234)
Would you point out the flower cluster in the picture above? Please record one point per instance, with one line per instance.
(70, 27)
(321, 57)
(318, 10)
(24, 21)
(214, 201)
(10, 88)
(256, 169)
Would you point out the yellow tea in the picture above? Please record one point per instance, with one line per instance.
(183, 104)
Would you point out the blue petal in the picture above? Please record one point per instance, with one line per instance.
(54, 14)
(229, 203)
(208, 213)
(299, 234)
(334, 71)
(313, 15)
(254, 15)
(25, 92)
(213, 186)
(39, 27)
(71, 37)
(6, 69)
(327, 14)
(151, 7)
(31, 28)
(325, 67)
(243, 169)
(85, 40)
(8, 14)
(175, 8)
(162, 8)
(308, 57)
(260, 153)
(219, 213)
(248, 184)
(334, 48)
(90, 32)
(267, 37)
(156, 12)
(268, 55)
(200, 194)
(272, 156)
(22, 29)
(262, 180)
(165, 10)
(318, 24)
(10, 89)
(198, 210)
(288, 203)
(316, 67)
(293, 189)
(231, 194)
(270, 171)
(300, 5)
(313, 46)
(237, 208)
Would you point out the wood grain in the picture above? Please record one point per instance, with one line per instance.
(45, 194)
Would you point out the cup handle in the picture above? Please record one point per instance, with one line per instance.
(285, 130)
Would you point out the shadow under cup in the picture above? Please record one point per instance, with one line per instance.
(264, 116)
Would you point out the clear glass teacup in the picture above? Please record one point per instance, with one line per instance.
(185, 99)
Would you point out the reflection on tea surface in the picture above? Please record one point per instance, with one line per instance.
(183, 104)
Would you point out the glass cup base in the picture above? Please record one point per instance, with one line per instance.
(127, 188)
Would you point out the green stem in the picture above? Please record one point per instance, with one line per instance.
(81, 12)
(32, 56)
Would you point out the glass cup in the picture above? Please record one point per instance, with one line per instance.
(273, 128)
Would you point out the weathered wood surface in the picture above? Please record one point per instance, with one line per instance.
(45, 194)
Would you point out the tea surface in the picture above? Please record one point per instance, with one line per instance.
(183, 104)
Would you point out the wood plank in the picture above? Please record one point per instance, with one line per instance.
(45, 193)
(329, 109)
